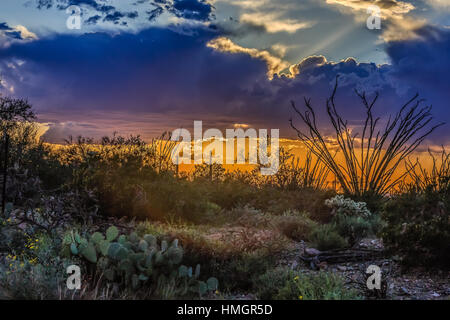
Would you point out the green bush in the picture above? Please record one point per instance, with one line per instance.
(352, 220)
(326, 237)
(321, 286)
(354, 228)
(357, 228)
(285, 284)
(269, 284)
(182, 198)
(418, 227)
(238, 272)
(25, 281)
(34, 270)
(227, 194)
(294, 225)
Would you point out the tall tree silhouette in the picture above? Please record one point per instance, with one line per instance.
(12, 112)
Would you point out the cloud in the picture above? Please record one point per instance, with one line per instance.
(307, 63)
(422, 63)
(264, 16)
(439, 4)
(199, 10)
(249, 4)
(389, 8)
(403, 29)
(280, 49)
(25, 33)
(154, 71)
(18, 32)
(98, 10)
(57, 132)
(397, 23)
(158, 80)
(273, 22)
(275, 65)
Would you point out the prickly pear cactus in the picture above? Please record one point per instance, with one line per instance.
(135, 261)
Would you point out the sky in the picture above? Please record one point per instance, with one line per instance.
(148, 66)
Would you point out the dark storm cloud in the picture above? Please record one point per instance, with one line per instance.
(176, 79)
(117, 17)
(192, 9)
(153, 70)
(155, 13)
(93, 19)
(98, 5)
(99, 10)
(4, 26)
(423, 64)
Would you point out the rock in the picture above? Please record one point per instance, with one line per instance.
(312, 252)
(342, 268)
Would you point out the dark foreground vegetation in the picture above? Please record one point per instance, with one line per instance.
(139, 229)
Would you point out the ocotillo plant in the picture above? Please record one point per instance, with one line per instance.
(370, 163)
(437, 178)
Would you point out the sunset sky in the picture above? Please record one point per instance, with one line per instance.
(146, 66)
